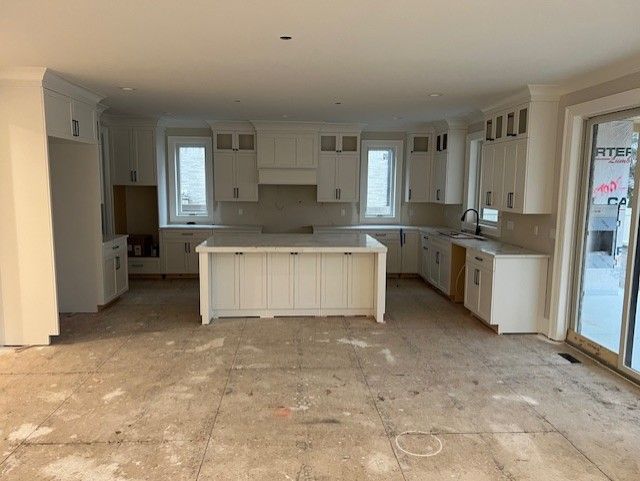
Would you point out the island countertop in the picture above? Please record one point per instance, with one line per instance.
(247, 242)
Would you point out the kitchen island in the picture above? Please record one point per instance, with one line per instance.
(269, 275)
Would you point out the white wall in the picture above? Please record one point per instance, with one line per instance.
(27, 273)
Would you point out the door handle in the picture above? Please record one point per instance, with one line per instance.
(336, 194)
(135, 176)
(131, 175)
(476, 277)
(339, 191)
(185, 247)
(409, 194)
(117, 262)
(438, 257)
(438, 194)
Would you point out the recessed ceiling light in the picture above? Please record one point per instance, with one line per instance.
(127, 89)
(395, 117)
(285, 116)
(237, 101)
(338, 103)
(285, 37)
(435, 94)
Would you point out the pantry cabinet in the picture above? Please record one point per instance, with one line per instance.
(70, 119)
(133, 155)
(518, 156)
(418, 168)
(447, 168)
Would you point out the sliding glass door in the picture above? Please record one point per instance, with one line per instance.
(607, 276)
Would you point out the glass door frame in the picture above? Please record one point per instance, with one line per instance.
(608, 357)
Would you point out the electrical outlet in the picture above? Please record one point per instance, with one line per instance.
(535, 230)
(240, 211)
(510, 225)
(552, 233)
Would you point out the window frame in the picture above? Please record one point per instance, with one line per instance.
(398, 148)
(173, 143)
(473, 186)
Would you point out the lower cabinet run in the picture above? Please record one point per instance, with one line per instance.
(295, 283)
(506, 292)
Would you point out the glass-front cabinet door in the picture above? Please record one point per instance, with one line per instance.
(608, 259)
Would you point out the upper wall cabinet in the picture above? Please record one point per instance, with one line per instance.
(518, 157)
(446, 181)
(287, 150)
(133, 155)
(235, 174)
(418, 168)
(331, 142)
(339, 166)
(71, 119)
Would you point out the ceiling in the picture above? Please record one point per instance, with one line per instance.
(381, 60)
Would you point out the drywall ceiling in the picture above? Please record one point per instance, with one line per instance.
(380, 59)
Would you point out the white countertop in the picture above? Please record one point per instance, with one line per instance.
(212, 226)
(246, 242)
(488, 246)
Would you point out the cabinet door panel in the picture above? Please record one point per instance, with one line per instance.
(326, 191)
(122, 278)
(445, 271)
(121, 156)
(246, 175)
(285, 151)
(280, 285)
(471, 289)
(334, 281)
(306, 151)
(109, 278)
(347, 176)
(520, 175)
(434, 266)
(394, 256)
(57, 110)
(307, 281)
(225, 281)
(361, 280)
(410, 252)
(509, 178)
(418, 172)
(266, 150)
(253, 285)
(193, 260)
(145, 156)
(439, 177)
(175, 256)
(488, 194)
(424, 263)
(85, 117)
(224, 176)
(485, 291)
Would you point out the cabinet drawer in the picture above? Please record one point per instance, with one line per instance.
(382, 236)
(114, 247)
(187, 234)
(480, 259)
(144, 265)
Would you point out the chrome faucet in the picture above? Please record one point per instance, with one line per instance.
(464, 214)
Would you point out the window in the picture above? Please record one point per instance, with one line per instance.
(380, 180)
(190, 180)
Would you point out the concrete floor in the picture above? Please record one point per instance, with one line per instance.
(141, 391)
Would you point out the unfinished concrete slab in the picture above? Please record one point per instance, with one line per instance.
(142, 391)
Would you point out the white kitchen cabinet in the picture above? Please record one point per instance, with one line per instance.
(281, 280)
(410, 247)
(521, 137)
(331, 142)
(133, 155)
(307, 268)
(287, 150)
(418, 168)
(252, 280)
(491, 175)
(506, 291)
(178, 249)
(69, 118)
(334, 281)
(144, 265)
(224, 275)
(338, 177)
(425, 244)
(447, 168)
(235, 176)
(439, 264)
(115, 279)
(241, 140)
(361, 273)
(391, 240)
